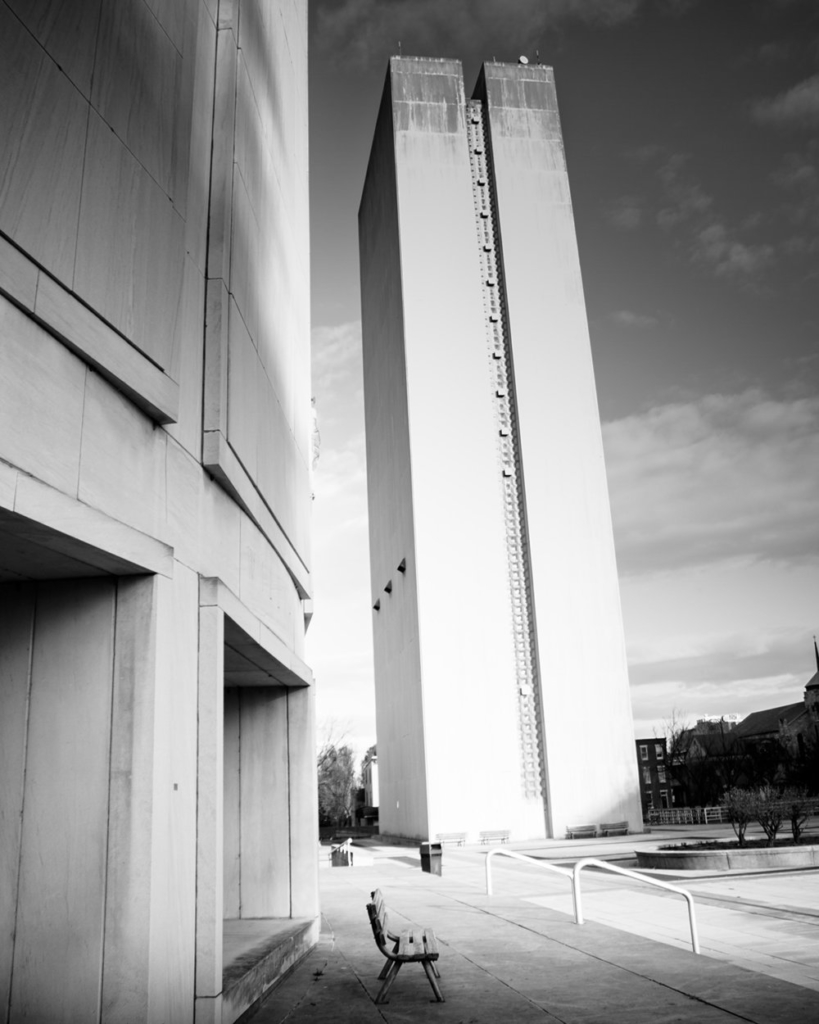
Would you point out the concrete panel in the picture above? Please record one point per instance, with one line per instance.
(62, 524)
(125, 980)
(43, 122)
(58, 949)
(17, 616)
(189, 352)
(261, 438)
(247, 634)
(174, 848)
(135, 279)
(201, 134)
(210, 807)
(96, 343)
(303, 806)
(221, 518)
(244, 412)
(137, 85)
(172, 16)
(67, 33)
(265, 827)
(18, 275)
(40, 426)
(579, 623)
(123, 460)
(232, 906)
(221, 179)
(267, 587)
(217, 324)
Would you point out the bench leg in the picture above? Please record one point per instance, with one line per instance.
(392, 974)
(430, 971)
(385, 970)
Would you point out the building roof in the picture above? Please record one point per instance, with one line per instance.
(813, 682)
(761, 723)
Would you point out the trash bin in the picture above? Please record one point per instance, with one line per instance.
(341, 856)
(431, 858)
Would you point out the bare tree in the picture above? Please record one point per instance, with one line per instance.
(336, 784)
(741, 807)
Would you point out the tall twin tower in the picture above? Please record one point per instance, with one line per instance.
(502, 697)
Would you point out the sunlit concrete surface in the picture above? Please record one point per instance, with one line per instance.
(157, 741)
(507, 958)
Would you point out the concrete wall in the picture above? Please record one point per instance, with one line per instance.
(581, 648)
(154, 420)
(399, 703)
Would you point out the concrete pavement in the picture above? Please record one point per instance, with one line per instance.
(518, 956)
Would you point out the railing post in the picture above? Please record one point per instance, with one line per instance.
(578, 903)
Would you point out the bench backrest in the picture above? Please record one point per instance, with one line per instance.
(377, 912)
(378, 925)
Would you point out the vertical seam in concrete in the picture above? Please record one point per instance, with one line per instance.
(29, 680)
(240, 719)
(207, 231)
(289, 801)
(518, 484)
(87, 370)
(85, 147)
(197, 794)
(114, 619)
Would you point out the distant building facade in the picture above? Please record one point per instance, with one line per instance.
(496, 609)
(796, 725)
(157, 746)
(656, 785)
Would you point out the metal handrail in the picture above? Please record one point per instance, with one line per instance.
(574, 875)
(587, 861)
(566, 872)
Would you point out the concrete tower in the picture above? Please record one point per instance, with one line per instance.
(502, 696)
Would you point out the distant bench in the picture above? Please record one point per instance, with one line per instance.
(613, 828)
(411, 946)
(495, 835)
(451, 837)
(581, 831)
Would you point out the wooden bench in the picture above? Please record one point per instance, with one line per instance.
(581, 831)
(613, 828)
(451, 837)
(412, 945)
(501, 834)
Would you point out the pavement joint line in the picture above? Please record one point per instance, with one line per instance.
(506, 984)
(610, 963)
(358, 978)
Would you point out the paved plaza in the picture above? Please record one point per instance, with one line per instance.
(518, 955)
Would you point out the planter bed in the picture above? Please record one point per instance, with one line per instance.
(727, 856)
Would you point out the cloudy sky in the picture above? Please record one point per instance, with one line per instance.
(692, 140)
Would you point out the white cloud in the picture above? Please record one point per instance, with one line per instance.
(797, 107)
(724, 477)
(685, 198)
(626, 212)
(728, 256)
(626, 318)
(336, 356)
(370, 29)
